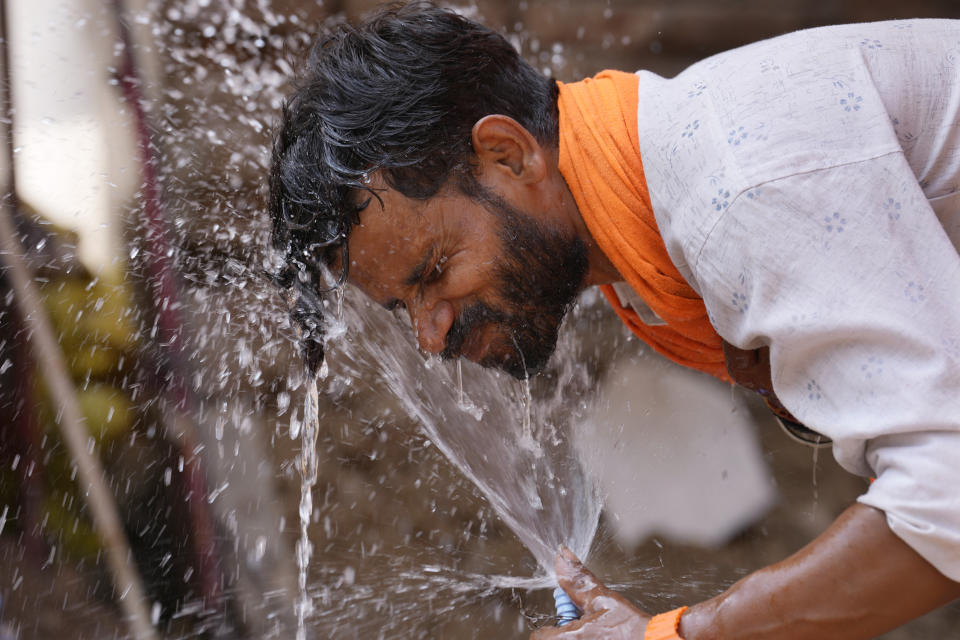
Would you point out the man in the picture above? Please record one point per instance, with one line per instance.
(786, 214)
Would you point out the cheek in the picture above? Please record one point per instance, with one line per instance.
(481, 284)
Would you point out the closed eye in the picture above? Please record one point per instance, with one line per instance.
(423, 273)
(437, 272)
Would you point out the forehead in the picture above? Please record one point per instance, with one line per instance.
(392, 236)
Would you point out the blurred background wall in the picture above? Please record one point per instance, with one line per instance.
(146, 234)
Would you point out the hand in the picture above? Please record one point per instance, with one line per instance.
(606, 615)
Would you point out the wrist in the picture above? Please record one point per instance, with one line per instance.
(665, 626)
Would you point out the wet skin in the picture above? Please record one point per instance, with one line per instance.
(439, 258)
(433, 258)
(855, 581)
(496, 300)
(487, 276)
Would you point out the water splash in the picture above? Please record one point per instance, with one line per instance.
(222, 72)
(515, 455)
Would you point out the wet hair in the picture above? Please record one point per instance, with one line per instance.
(396, 94)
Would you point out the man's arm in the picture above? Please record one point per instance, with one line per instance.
(856, 580)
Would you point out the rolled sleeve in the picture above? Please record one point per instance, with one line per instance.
(847, 274)
(918, 488)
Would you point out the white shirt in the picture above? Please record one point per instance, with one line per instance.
(808, 187)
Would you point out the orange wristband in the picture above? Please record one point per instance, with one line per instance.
(663, 626)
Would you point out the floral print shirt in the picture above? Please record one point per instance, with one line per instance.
(808, 187)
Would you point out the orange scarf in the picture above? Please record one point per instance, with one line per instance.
(600, 160)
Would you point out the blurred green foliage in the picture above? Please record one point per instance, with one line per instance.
(94, 321)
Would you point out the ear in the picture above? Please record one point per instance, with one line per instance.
(503, 144)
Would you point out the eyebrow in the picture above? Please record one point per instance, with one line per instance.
(419, 271)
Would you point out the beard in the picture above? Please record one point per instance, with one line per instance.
(538, 276)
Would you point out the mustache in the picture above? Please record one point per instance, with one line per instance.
(470, 319)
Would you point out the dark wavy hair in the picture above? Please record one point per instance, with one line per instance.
(397, 94)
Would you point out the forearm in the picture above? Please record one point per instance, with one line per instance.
(856, 580)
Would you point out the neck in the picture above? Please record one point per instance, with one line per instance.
(599, 268)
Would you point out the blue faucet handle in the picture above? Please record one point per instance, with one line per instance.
(567, 612)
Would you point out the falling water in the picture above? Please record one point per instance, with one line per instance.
(308, 478)
(527, 439)
(459, 382)
(463, 400)
(813, 472)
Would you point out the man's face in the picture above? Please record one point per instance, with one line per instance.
(478, 277)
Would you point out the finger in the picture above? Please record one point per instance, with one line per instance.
(579, 583)
(546, 633)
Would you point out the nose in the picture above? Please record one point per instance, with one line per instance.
(431, 321)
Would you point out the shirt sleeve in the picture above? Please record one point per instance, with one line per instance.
(911, 469)
(849, 277)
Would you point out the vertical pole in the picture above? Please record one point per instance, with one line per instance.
(92, 479)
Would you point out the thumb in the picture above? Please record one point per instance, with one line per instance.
(579, 583)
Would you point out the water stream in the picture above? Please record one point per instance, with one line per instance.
(490, 427)
(514, 452)
(308, 478)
